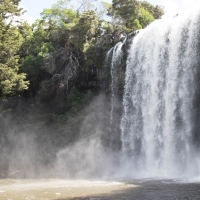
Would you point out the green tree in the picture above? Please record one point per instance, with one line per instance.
(126, 11)
(36, 46)
(11, 81)
(134, 14)
(145, 18)
(157, 11)
(59, 21)
(59, 15)
(45, 37)
(85, 32)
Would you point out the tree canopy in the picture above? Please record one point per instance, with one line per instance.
(79, 37)
(11, 81)
(134, 14)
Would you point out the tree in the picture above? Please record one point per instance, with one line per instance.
(11, 81)
(86, 5)
(36, 46)
(55, 48)
(134, 14)
(145, 18)
(126, 11)
(60, 14)
(59, 21)
(157, 11)
(44, 40)
(84, 33)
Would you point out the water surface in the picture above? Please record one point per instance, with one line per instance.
(99, 190)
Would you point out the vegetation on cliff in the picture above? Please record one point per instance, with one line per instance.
(50, 73)
(66, 48)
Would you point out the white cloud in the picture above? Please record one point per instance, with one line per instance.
(28, 18)
(25, 16)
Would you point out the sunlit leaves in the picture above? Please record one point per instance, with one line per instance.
(146, 18)
(134, 14)
(11, 81)
(85, 30)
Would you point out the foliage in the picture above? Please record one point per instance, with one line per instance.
(59, 16)
(134, 14)
(11, 81)
(65, 39)
(85, 31)
(126, 10)
(35, 48)
(76, 96)
(78, 101)
(146, 18)
(9, 9)
(156, 11)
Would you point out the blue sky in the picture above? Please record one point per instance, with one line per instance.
(35, 7)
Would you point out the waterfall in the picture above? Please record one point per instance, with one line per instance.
(115, 69)
(157, 124)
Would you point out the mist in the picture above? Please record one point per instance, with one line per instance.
(32, 147)
(145, 123)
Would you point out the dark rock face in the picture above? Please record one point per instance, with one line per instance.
(129, 40)
(88, 80)
(69, 67)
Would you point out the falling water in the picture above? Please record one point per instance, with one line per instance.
(115, 64)
(108, 54)
(157, 123)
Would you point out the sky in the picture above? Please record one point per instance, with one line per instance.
(172, 7)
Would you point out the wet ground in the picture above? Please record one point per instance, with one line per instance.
(99, 190)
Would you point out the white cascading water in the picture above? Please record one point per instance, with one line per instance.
(156, 125)
(115, 63)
